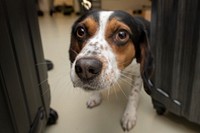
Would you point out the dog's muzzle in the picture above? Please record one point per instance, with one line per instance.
(88, 68)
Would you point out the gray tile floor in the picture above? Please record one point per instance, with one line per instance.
(70, 102)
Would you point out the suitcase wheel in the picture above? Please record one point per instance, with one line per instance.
(53, 116)
(49, 65)
(159, 107)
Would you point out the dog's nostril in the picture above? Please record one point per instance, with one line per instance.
(88, 68)
(78, 69)
(93, 70)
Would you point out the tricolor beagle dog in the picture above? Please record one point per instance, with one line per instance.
(107, 46)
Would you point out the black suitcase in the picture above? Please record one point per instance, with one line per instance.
(24, 88)
(175, 36)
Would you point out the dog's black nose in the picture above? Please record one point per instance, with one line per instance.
(88, 68)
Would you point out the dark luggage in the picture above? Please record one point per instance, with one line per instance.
(175, 37)
(24, 88)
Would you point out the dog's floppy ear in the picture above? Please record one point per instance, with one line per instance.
(143, 53)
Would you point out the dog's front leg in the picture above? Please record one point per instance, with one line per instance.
(128, 120)
(94, 100)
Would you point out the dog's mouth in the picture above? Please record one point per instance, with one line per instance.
(99, 83)
(89, 88)
(91, 85)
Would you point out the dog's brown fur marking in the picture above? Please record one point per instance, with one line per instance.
(91, 25)
(124, 54)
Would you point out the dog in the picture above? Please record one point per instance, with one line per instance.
(107, 46)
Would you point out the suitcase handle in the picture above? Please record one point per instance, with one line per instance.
(38, 121)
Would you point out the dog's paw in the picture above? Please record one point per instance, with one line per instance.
(94, 101)
(128, 121)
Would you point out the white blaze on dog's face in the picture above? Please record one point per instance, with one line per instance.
(101, 47)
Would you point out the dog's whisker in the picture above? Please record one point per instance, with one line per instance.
(42, 82)
(58, 83)
(52, 90)
(115, 92)
(47, 90)
(43, 63)
(61, 72)
(76, 84)
(126, 77)
(56, 78)
(114, 88)
(124, 80)
(121, 89)
(129, 83)
(76, 89)
(73, 51)
(63, 88)
(108, 94)
(129, 73)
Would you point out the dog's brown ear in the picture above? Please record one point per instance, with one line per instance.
(144, 55)
(73, 49)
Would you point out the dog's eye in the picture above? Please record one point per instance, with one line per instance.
(121, 37)
(81, 32)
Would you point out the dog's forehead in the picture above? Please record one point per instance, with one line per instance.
(102, 17)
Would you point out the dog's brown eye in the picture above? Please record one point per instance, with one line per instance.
(80, 32)
(121, 37)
